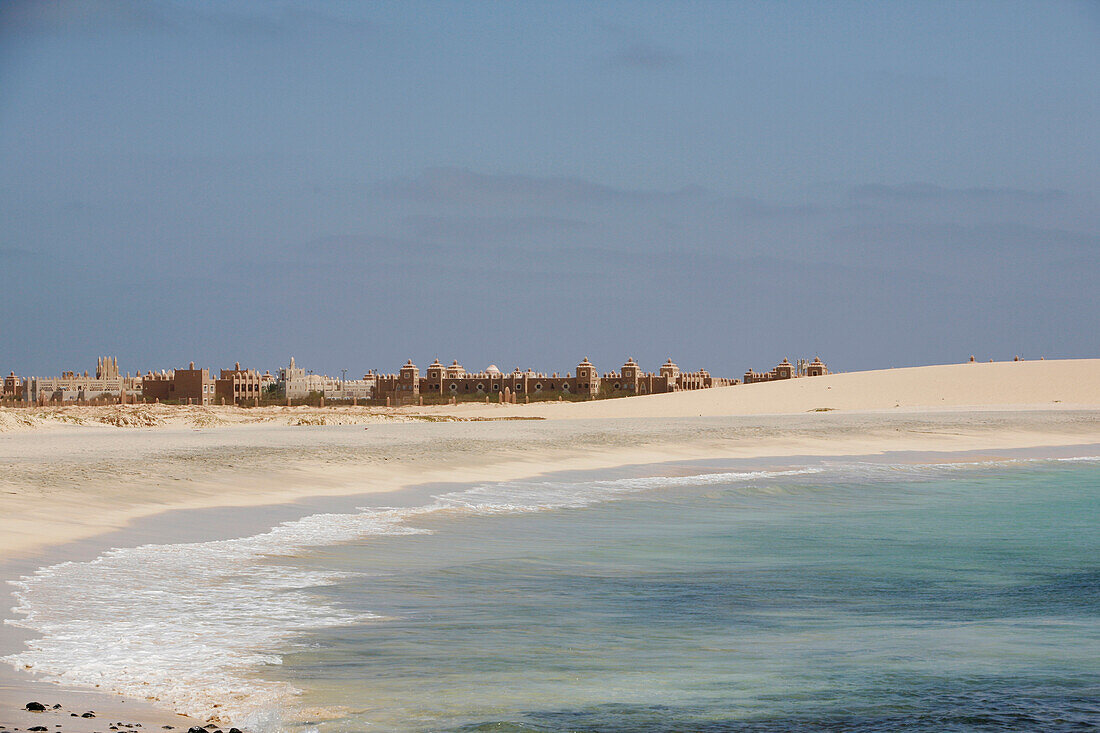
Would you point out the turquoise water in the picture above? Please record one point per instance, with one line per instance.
(860, 597)
(842, 595)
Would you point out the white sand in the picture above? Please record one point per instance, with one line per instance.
(66, 475)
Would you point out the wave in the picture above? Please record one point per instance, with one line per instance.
(189, 625)
(192, 625)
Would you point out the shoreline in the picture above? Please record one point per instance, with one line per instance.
(192, 525)
(71, 494)
(398, 456)
(187, 525)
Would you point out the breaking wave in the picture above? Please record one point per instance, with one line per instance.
(191, 625)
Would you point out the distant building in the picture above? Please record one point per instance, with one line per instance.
(786, 370)
(407, 386)
(632, 380)
(816, 368)
(236, 385)
(294, 380)
(455, 381)
(299, 384)
(189, 386)
(73, 386)
(439, 381)
(13, 387)
(349, 389)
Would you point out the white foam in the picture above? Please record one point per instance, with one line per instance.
(192, 625)
(871, 471)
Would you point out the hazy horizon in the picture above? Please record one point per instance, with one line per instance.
(529, 184)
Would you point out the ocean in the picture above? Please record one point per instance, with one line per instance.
(844, 594)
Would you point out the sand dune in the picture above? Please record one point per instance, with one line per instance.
(1070, 383)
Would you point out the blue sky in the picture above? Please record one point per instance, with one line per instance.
(879, 184)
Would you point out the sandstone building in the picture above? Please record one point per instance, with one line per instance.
(407, 386)
(299, 384)
(237, 386)
(630, 379)
(188, 386)
(445, 382)
(786, 370)
(74, 386)
(13, 387)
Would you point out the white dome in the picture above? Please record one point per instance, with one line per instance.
(492, 369)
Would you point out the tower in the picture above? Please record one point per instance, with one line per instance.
(588, 380)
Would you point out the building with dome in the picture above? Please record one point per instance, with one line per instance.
(786, 370)
(13, 387)
(631, 380)
(443, 383)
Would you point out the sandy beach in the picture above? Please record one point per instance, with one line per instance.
(71, 475)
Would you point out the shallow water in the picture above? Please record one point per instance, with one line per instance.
(840, 596)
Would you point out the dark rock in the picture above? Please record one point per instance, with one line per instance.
(72, 715)
(57, 706)
(35, 707)
(196, 729)
(235, 730)
(88, 714)
(38, 727)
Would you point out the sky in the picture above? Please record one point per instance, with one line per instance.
(528, 184)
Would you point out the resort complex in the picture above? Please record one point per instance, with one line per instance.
(438, 384)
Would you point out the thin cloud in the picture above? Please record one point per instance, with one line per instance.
(22, 17)
(480, 228)
(758, 209)
(914, 192)
(464, 186)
